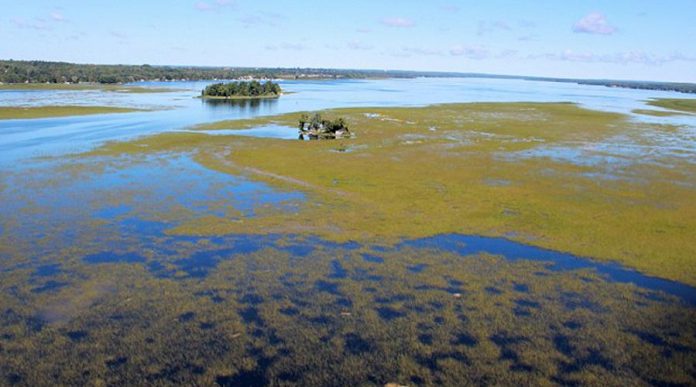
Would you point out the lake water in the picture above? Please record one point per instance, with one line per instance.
(95, 288)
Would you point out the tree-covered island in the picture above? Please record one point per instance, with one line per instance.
(317, 128)
(242, 90)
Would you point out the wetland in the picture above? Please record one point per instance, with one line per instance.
(493, 231)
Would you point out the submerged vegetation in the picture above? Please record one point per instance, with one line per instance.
(240, 90)
(318, 128)
(19, 112)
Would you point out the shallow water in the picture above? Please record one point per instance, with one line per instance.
(97, 287)
(181, 109)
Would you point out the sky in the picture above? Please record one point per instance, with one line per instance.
(611, 39)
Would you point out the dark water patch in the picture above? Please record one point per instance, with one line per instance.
(493, 290)
(513, 251)
(572, 325)
(206, 326)
(573, 301)
(50, 286)
(431, 361)
(200, 263)
(337, 270)
(527, 303)
(116, 363)
(563, 345)
(371, 258)
(361, 274)
(298, 250)
(77, 335)
(388, 314)
(344, 302)
(322, 320)
(426, 339)
(664, 383)
(112, 257)
(251, 299)
(250, 315)
(157, 269)
(328, 287)
(521, 288)
(290, 311)
(47, 270)
(520, 367)
(595, 357)
(402, 297)
(356, 345)
(14, 379)
(464, 339)
(187, 317)
(418, 268)
(255, 377)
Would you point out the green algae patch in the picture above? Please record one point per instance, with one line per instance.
(493, 169)
(679, 104)
(18, 112)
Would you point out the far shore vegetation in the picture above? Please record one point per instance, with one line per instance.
(14, 71)
(242, 90)
(19, 112)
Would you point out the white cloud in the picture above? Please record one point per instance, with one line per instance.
(57, 16)
(471, 52)
(594, 23)
(622, 58)
(398, 22)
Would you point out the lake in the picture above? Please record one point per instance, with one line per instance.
(98, 287)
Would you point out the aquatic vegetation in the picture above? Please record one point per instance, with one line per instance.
(415, 172)
(24, 112)
(273, 317)
(345, 273)
(678, 104)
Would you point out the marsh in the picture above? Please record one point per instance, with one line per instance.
(496, 231)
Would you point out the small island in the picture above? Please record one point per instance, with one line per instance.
(242, 90)
(317, 128)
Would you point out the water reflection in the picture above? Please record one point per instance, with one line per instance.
(246, 107)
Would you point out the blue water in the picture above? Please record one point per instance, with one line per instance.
(181, 109)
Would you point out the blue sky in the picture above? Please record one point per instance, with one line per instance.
(618, 39)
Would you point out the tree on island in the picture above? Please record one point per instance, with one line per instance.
(317, 128)
(252, 89)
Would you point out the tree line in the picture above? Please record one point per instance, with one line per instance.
(12, 71)
(242, 89)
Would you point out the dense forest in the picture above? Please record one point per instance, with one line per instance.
(242, 89)
(59, 72)
(12, 71)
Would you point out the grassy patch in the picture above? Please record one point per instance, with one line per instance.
(683, 105)
(657, 113)
(17, 112)
(413, 172)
